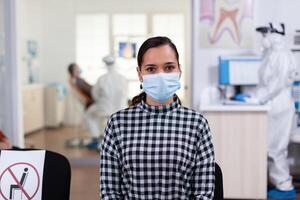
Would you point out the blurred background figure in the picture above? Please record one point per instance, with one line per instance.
(276, 77)
(79, 86)
(109, 95)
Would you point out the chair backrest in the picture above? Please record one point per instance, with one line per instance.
(218, 183)
(56, 176)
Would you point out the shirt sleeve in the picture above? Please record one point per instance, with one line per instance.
(204, 172)
(110, 173)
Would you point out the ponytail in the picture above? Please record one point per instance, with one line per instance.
(137, 99)
(175, 97)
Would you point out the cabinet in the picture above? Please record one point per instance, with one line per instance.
(54, 107)
(33, 107)
(240, 142)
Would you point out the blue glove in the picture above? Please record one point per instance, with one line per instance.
(241, 97)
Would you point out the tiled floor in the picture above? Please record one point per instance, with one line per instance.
(55, 140)
(85, 183)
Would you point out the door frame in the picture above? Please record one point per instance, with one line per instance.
(12, 107)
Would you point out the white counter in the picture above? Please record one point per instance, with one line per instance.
(236, 108)
(239, 135)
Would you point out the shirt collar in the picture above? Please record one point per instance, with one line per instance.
(160, 109)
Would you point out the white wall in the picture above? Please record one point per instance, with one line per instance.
(2, 15)
(51, 24)
(1, 61)
(205, 60)
(10, 101)
(59, 39)
(30, 24)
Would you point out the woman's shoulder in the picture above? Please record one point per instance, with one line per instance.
(125, 112)
(191, 113)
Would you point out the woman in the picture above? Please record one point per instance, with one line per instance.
(157, 149)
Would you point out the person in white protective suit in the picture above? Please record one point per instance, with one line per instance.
(276, 76)
(109, 95)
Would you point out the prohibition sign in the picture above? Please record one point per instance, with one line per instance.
(9, 171)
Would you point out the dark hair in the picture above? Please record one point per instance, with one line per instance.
(152, 43)
(148, 44)
(71, 68)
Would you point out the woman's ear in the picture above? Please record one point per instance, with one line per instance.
(139, 74)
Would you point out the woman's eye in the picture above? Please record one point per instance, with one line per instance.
(170, 68)
(150, 69)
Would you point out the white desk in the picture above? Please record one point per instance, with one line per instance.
(240, 142)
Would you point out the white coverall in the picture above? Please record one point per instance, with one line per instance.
(276, 76)
(110, 95)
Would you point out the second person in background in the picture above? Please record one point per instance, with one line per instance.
(109, 95)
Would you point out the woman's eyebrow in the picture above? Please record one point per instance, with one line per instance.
(150, 65)
(169, 63)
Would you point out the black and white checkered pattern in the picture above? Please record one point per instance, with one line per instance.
(160, 153)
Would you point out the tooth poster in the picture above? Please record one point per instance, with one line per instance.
(226, 24)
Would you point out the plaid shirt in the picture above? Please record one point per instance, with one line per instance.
(157, 153)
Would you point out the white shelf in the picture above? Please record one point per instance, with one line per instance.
(235, 108)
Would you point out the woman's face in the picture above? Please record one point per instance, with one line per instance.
(158, 60)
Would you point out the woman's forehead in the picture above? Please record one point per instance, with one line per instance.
(159, 55)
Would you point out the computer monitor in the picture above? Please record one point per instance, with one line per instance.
(239, 70)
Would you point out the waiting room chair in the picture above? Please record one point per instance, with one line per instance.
(56, 176)
(218, 183)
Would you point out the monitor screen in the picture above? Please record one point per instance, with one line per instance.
(239, 70)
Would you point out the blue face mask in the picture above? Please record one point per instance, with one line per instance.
(161, 86)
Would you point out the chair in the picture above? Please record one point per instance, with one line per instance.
(218, 183)
(56, 176)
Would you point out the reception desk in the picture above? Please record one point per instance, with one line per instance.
(240, 141)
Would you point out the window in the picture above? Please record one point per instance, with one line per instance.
(92, 44)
